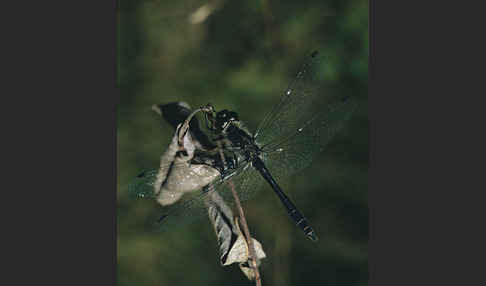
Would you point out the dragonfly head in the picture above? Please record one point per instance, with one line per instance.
(219, 121)
(225, 118)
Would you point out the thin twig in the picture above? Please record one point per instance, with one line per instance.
(246, 230)
(247, 234)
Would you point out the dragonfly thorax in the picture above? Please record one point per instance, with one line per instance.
(243, 143)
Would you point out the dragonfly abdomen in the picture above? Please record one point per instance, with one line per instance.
(292, 210)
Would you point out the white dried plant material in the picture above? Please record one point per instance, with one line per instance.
(240, 251)
(222, 207)
(221, 221)
(246, 265)
(221, 217)
(177, 176)
(233, 246)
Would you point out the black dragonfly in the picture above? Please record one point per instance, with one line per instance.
(297, 128)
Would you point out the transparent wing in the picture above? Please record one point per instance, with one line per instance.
(295, 151)
(246, 180)
(191, 207)
(296, 99)
(143, 185)
(188, 210)
(295, 105)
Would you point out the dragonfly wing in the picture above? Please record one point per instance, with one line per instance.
(295, 104)
(188, 207)
(295, 151)
(246, 181)
(247, 185)
(142, 186)
(186, 211)
(172, 180)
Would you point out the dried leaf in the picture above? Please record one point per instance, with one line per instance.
(258, 247)
(241, 254)
(221, 218)
(233, 246)
(177, 175)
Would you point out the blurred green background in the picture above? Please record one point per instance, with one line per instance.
(242, 56)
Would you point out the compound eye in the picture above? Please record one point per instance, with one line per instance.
(222, 114)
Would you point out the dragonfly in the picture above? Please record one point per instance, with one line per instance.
(290, 136)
